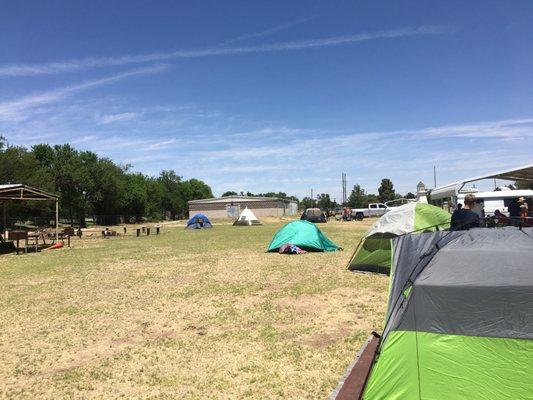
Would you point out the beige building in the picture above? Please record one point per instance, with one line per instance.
(231, 206)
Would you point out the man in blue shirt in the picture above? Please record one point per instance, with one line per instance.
(463, 219)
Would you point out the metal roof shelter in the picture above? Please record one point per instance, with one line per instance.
(523, 173)
(20, 192)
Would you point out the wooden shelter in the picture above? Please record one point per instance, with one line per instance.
(19, 192)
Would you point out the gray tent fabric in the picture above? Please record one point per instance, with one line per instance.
(450, 279)
(411, 254)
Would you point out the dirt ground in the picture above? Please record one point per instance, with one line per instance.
(185, 314)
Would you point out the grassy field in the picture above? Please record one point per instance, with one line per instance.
(186, 314)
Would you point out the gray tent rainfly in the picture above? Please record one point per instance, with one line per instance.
(459, 322)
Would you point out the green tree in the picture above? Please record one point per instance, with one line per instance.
(324, 202)
(371, 198)
(357, 198)
(107, 193)
(135, 197)
(307, 202)
(229, 193)
(171, 192)
(386, 190)
(198, 190)
(18, 165)
(410, 195)
(523, 185)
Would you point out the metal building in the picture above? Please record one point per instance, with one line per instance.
(231, 206)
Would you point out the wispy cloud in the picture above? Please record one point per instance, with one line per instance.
(120, 117)
(12, 109)
(77, 65)
(266, 32)
(232, 152)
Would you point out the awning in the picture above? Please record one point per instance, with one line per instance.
(22, 192)
(524, 173)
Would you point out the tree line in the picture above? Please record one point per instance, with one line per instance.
(280, 195)
(93, 186)
(96, 187)
(358, 198)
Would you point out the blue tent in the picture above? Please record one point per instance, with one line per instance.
(199, 221)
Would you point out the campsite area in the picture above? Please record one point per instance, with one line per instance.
(185, 314)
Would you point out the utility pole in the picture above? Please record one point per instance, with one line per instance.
(434, 176)
(343, 197)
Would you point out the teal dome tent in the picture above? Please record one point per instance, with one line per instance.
(303, 234)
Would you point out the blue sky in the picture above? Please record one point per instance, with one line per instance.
(274, 95)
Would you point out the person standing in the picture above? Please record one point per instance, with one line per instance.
(514, 211)
(464, 218)
(524, 209)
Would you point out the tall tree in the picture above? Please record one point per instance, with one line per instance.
(386, 190)
(198, 190)
(171, 192)
(106, 197)
(307, 202)
(135, 197)
(358, 197)
(324, 202)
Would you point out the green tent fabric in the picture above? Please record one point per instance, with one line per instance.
(303, 234)
(459, 318)
(374, 251)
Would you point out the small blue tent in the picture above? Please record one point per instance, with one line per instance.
(199, 221)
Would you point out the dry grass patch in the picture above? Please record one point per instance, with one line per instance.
(192, 315)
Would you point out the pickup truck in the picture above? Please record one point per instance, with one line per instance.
(373, 210)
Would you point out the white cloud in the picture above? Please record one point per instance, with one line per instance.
(266, 32)
(12, 110)
(110, 118)
(77, 65)
(229, 152)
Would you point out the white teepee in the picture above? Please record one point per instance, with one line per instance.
(247, 218)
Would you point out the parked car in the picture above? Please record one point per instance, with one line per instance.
(373, 210)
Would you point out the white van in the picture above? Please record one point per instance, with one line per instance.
(488, 202)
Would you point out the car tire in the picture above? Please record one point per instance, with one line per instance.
(359, 217)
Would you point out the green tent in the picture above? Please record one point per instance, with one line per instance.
(374, 250)
(303, 234)
(459, 322)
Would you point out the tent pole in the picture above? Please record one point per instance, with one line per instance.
(57, 220)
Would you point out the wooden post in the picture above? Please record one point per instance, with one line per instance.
(57, 220)
(5, 218)
(147, 231)
(138, 232)
(125, 230)
(157, 230)
(68, 240)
